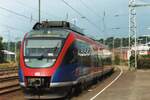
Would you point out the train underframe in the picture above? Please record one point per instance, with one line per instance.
(46, 93)
(62, 91)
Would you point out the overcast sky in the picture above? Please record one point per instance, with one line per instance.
(18, 16)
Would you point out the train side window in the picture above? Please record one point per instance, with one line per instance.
(95, 58)
(100, 63)
(95, 61)
(83, 53)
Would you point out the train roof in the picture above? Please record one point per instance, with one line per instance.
(58, 24)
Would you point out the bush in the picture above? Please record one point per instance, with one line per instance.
(144, 62)
(117, 60)
(107, 61)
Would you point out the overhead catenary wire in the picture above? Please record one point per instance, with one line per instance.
(13, 28)
(35, 9)
(72, 8)
(80, 14)
(93, 11)
(16, 20)
(16, 13)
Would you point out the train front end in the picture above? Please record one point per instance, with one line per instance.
(41, 54)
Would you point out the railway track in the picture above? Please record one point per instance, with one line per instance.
(4, 79)
(9, 88)
(8, 80)
(8, 85)
(8, 70)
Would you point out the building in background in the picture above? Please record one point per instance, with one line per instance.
(143, 49)
(8, 55)
(124, 53)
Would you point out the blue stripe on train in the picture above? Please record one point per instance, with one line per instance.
(65, 73)
(20, 72)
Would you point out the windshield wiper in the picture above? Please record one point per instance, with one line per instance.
(40, 57)
(44, 53)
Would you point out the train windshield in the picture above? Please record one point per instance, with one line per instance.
(41, 52)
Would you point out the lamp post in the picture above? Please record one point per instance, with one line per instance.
(39, 11)
(121, 44)
(8, 45)
(147, 36)
(139, 41)
(121, 51)
(17, 39)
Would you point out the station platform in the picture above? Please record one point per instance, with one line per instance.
(132, 85)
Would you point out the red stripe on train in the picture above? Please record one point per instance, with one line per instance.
(45, 71)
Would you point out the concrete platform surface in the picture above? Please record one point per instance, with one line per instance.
(132, 85)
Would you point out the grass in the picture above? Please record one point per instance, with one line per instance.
(5, 65)
(145, 56)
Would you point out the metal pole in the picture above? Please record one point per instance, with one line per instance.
(121, 51)
(67, 16)
(135, 39)
(39, 11)
(132, 32)
(135, 51)
(133, 27)
(129, 48)
(9, 45)
(146, 39)
(15, 51)
(113, 52)
(103, 20)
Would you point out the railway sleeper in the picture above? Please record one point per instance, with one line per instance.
(9, 89)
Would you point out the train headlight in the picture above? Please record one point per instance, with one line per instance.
(37, 83)
(34, 82)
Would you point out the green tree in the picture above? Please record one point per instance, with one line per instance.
(125, 42)
(11, 46)
(117, 42)
(101, 41)
(109, 42)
